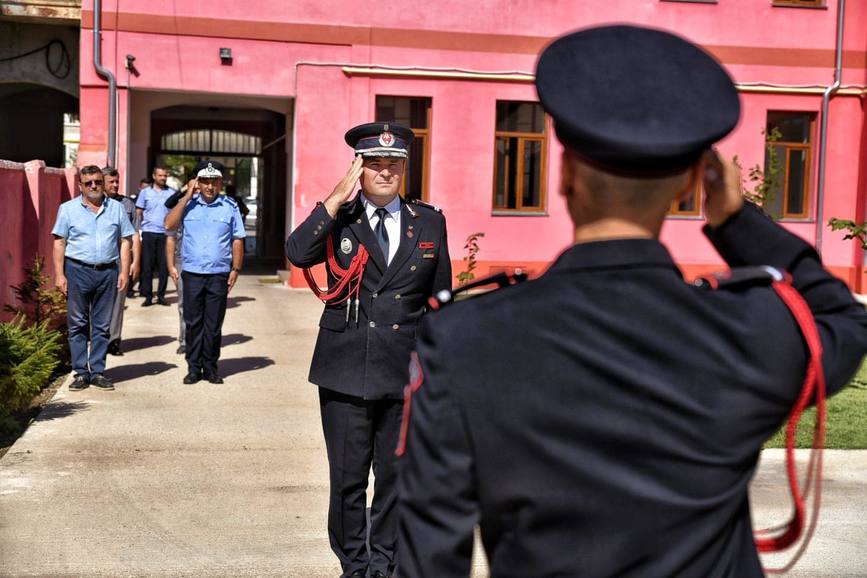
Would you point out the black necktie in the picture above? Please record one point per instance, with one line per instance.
(380, 232)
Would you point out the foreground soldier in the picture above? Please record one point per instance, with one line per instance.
(362, 354)
(606, 419)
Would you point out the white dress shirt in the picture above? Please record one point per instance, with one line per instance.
(392, 223)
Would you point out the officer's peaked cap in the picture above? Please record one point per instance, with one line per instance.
(208, 169)
(635, 101)
(380, 139)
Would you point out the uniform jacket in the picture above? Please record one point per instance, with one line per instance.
(611, 416)
(370, 359)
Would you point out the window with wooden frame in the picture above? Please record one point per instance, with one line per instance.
(788, 163)
(800, 3)
(413, 112)
(520, 152)
(689, 207)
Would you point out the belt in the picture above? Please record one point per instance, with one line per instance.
(98, 267)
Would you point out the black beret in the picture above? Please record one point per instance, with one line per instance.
(380, 139)
(208, 169)
(635, 101)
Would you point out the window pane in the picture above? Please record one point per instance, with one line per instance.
(532, 177)
(501, 168)
(795, 127)
(796, 182)
(520, 117)
(415, 169)
(408, 111)
(773, 204)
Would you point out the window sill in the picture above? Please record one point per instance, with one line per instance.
(823, 7)
(684, 217)
(510, 213)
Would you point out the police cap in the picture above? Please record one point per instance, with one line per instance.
(635, 101)
(380, 139)
(208, 169)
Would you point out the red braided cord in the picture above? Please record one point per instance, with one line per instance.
(782, 537)
(344, 277)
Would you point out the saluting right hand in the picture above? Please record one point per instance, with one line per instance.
(345, 188)
(723, 189)
(192, 185)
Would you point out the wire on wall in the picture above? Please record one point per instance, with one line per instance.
(59, 67)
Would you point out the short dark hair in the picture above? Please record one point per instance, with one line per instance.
(146, 181)
(110, 171)
(159, 168)
(89, 170)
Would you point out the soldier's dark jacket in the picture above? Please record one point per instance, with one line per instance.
(617, 432)
(370, 359)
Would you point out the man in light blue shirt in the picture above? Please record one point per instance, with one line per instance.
(92, 233)
(211, 258)
(151, 211)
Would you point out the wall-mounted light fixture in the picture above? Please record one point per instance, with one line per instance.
(226, 56)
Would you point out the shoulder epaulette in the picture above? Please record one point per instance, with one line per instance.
(446, 296)
(231, 201)
(742, 277)
(426, 205)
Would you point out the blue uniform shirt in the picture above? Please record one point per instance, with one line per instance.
(92, 237)
(154, 204)
(209, 230)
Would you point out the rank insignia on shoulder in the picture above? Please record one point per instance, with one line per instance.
(446, 296)
(743, 277)
(426, 205)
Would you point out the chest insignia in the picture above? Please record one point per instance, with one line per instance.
(345, 246)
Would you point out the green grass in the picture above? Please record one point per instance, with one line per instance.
(847, 419)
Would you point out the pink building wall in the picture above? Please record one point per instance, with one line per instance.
(273, 43)
(31, 195)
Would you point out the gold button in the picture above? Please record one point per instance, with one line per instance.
(375, 295)
(397, 296)
(321, 223)
(395, 326)
(315, 233)
(372, 324)
(413, 268)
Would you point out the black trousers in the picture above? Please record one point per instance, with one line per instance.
(204, 298)
(153, 261)
(360, 433)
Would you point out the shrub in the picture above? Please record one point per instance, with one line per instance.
(28, 356)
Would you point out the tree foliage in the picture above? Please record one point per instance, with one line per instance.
(472, 250)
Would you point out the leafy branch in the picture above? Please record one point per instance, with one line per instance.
(472, 250)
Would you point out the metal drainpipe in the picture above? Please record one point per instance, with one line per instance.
(112, 83)
(823, 131)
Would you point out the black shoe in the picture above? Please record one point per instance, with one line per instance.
(378, 574)
(162, 301)
(214, 379)
(101, 382)
(114, 348)
(182, 350)
(79, 383)
(147, 302)
(192, 378)
(361, 573)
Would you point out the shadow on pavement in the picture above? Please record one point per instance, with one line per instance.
(229, 367)
(144, 342)
(233, 302)
(235, 339)
(60, 409)
(136, 370)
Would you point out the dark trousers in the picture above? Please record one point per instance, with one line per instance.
(359, 433)
(204, 298)
(153, 261)
(89, 302)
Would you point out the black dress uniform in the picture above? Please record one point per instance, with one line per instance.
(611, 415)
(362, 357)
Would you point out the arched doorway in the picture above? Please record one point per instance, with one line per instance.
(251, 144)
(32, 122)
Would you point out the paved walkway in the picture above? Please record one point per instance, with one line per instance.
(164, 479)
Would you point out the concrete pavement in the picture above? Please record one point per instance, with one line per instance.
(163, 479)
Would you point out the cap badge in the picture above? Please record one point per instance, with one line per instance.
(345, 246)
(386, 139)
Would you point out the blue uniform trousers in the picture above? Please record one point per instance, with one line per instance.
(90, 297)
(204, 297)
(153, 261)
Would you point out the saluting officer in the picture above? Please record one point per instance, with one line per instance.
(385, 258)
(610, 415)
(212, 256)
